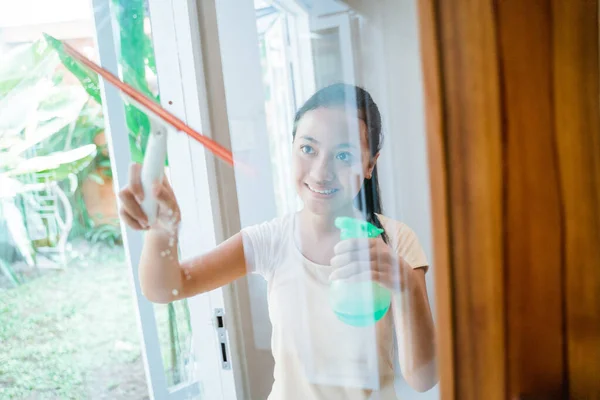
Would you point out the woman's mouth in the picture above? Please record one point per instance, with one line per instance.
(322, 192)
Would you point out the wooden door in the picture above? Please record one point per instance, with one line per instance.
(513, 113)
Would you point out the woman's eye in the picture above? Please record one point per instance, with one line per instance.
(345, 156)
(306, 149)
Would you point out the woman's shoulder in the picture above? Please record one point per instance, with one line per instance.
(404, 241)
(264, 244)
(270, 232)
(394, 228)
(276, 225)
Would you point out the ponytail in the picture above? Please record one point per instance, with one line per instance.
(368, 201)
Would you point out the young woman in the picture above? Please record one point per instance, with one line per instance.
(337, 138)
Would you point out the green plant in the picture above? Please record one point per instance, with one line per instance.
(136, 52)
(88, 79)
(26, 66)
(58, 165)
(45, 126)
(109, 234)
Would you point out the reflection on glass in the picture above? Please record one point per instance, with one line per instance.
(280, 103)
(327, 57)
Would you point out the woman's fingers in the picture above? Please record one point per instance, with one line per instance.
(381, 277)
(167, 184)
(371, 254)
(362, 267)
(131, 221)
(357, 277)
(352, 269)
(165, 197)
(130, 205)
(360, 244)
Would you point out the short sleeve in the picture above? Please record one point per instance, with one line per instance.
(410, 249)
(406, 243)
(262, 243)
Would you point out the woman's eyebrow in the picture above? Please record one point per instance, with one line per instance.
(346, 146)
(309, 138)
(339, 146)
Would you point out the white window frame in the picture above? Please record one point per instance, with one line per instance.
(181, 79)
(299, 25)
(343, 22)
(118, 147)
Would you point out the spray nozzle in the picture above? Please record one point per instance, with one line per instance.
(355, 228)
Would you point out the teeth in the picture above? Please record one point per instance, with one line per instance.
(330, 191)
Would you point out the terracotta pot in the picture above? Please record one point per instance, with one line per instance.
(100, 199)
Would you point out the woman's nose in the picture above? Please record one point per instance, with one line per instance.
(323, 170)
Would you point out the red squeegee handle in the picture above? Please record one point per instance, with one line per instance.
(151, 105)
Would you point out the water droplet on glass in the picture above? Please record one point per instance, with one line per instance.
(163, 254)
(175, 292)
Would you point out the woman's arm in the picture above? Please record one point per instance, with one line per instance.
(165, 279)
(162, 277)
(414, 330)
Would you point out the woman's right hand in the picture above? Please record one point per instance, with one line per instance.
(132, 195)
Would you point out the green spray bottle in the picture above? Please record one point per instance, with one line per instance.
(358, 303)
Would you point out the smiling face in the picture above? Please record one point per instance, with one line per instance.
(331, 157)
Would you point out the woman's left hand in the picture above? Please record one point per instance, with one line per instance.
(369, 259)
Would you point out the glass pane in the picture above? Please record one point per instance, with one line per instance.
(137, 68)
(342, 188)
(175, 334)
(327, 57)
(279, 98)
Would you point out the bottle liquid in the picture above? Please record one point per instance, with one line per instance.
(358, 303)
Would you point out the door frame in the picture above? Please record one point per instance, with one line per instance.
(513, 125)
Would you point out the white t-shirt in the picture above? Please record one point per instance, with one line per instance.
(316, 355)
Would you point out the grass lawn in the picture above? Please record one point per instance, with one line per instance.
(72, 333)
